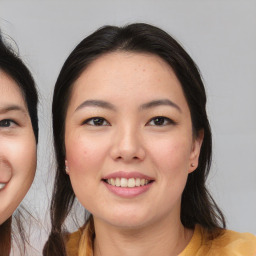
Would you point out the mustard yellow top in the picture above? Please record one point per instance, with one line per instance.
(227, 244)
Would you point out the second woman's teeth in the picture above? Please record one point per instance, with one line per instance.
(130, 183)
(2, 185)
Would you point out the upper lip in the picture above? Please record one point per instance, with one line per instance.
(127, 175)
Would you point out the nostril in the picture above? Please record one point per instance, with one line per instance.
(127, 152)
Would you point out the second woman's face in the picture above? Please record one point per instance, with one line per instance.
(129, 142)
(17, 147)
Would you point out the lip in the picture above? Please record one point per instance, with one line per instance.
(128, 192)
(127, 175)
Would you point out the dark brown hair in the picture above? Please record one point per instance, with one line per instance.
(197, 206)
(13, 66)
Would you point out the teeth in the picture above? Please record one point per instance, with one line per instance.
(124, 183)
(117, 182)
(130, 183)
(2, 185)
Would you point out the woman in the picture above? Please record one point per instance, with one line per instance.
(133, 145)
(18, 139)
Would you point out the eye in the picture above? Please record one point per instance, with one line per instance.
(6, 123)
(160, 121)
(96, 121)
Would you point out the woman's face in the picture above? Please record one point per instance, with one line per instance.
(129, 142)
(17, 147)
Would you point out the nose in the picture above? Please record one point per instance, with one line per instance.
(127, 145)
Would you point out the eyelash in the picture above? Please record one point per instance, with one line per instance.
(7, 123)
(163, 121)
(100, 121)
(95, 120)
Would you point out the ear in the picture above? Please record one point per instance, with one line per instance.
(195, 151)
(66, 167)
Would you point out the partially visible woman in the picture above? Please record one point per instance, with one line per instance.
(133, 145)
(18, 140)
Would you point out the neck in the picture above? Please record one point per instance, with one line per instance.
(163, 238)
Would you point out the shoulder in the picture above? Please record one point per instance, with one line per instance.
(231, 243)
(81, 241)
(220, 242)
(72, 242)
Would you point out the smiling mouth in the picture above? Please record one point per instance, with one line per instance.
(127, 183)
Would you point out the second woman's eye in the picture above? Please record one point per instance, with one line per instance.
(6, 123)
(96, 121)
(160, 121)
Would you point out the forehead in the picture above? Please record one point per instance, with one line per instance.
(10, 91)
(130, 63)
(123, 72)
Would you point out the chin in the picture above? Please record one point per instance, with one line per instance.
(126, 221)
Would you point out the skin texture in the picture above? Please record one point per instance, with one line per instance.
(17, 147)
(129, 139)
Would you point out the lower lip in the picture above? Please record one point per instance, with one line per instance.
(128, 192)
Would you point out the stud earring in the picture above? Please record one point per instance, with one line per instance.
(192, 165)
(66, 167)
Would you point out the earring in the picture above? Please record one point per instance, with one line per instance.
(192, 165)
(66, 167)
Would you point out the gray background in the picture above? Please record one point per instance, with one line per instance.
(221, 38)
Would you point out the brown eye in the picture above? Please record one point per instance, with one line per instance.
(6, 123)
(160, 121)
(97, 121)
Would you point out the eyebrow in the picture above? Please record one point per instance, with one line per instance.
(107, 105)
(9, 108)
(96, 103)
(161, 102)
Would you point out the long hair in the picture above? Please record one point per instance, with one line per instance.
(12, 65)
(197, 206)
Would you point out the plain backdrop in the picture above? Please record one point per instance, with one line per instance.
(219, 35)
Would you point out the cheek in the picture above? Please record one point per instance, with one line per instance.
(171, 157)
(23, 171)
(83, 154)
(20, 154)
(85, 157)
(171, 150)
(5, 169)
